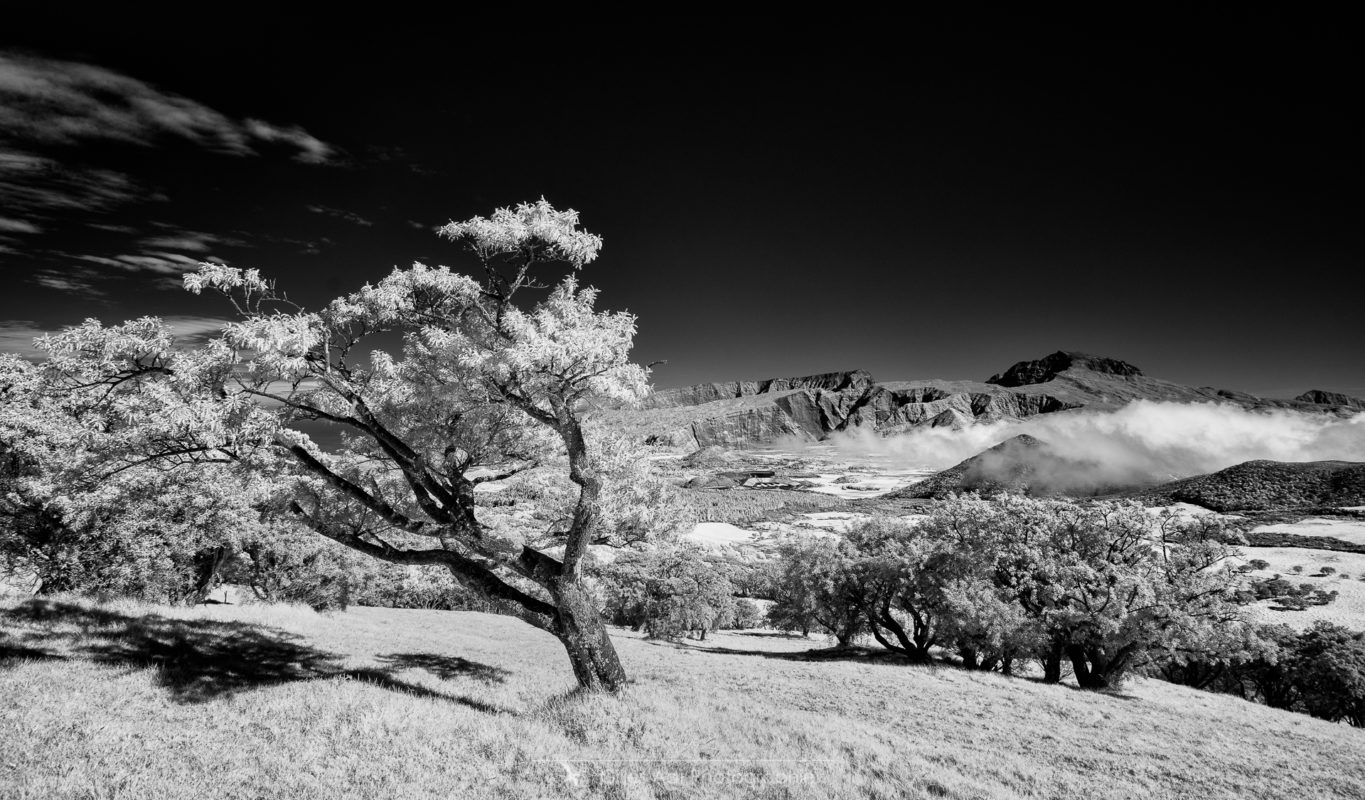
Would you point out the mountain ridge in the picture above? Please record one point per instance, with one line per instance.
(742, 414)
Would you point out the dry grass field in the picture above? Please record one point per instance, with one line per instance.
(129, 701)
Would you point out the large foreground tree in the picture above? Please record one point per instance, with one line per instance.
(489, 384)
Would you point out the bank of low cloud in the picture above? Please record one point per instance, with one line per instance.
(1143, 442)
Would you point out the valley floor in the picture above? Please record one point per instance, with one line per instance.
(139, 702)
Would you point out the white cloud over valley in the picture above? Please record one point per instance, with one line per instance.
(1143, 442)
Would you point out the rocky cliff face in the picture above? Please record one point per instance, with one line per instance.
(710, 392)
(807, 414)
(754, 413)
(887, 408)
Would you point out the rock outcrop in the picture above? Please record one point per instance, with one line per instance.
(708, 457)
(1028, 373)
(1320, 398)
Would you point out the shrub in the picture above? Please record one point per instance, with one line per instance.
(1285, 595)
(669, 592)
(1327, 669)
(815, 586)
(747, 615)
(1102, 584)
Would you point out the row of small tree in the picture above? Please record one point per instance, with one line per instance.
(1105, 586)
(1320, 671)
(1109, 588)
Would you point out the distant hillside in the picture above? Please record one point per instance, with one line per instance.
(1269, 486)
(1020, 464)
(753, 413)
(1008, 466)
(1026, 464)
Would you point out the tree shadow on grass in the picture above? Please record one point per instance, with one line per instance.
(866, 655)
(385, 680)
(202, 659)
(446, 667)
(860, 654)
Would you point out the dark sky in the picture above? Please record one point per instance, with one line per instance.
(938, 200)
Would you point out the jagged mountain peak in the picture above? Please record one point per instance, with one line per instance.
(1028, 373)
(1322, 398)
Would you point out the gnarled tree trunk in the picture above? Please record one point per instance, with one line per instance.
(580, 627)
(1052, 664)
(207, 563)
(1096, 669)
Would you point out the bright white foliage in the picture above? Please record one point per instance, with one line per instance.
(562, 342)
(79, 504)
(528, 226)
(479, 376)
(226, 279)
(437, 293)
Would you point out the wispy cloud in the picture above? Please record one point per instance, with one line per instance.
(160, 263)
(65, 103)
(189, 241)
(74, 280)
(194, 243)
(8, 225)
(104, 226)
(17, 335)
(340, 213)
(311, 150)
(36, 186)
(48, 106)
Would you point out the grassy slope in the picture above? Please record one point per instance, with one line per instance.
(421, 704)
